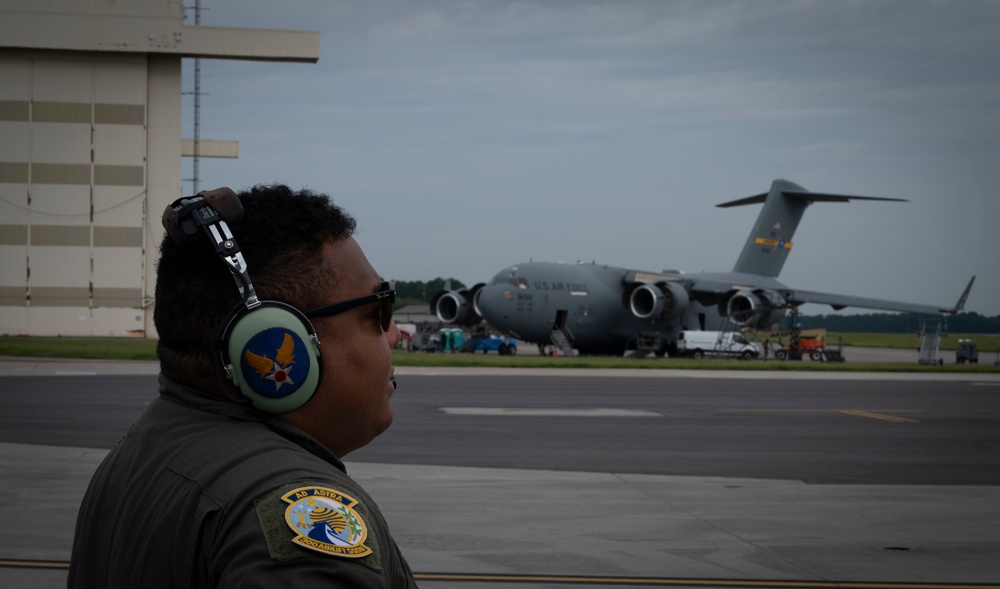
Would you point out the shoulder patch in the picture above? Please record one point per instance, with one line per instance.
(325, 520)
(303, 519)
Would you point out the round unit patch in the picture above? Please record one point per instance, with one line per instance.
(325, 520)
(275, 362)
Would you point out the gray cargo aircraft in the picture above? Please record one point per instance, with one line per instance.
(603, 309)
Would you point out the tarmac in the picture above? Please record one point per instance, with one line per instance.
(496, 528)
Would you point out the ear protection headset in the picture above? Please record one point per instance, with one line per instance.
(268, 349)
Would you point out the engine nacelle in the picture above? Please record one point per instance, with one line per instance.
(755, 309)
(458, 307)
(663, 300)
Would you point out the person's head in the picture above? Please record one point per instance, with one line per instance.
(299, 250)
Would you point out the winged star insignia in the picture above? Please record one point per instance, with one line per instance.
(278, 370)
(268, 359)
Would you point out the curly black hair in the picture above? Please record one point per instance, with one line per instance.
(281, 235)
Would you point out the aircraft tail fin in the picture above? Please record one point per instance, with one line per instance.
(770, 240)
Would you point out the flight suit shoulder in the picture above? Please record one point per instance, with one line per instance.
(324, 518)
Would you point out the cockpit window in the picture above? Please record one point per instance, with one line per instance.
(512, 280)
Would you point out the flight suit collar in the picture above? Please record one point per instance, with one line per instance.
(198, 400)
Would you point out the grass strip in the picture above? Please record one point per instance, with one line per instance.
(145, 349)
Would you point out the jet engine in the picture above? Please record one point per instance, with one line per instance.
(758, 308)
(663, 300)
(459, 307)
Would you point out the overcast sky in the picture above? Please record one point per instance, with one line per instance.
(466, 136)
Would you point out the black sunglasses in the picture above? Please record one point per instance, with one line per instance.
(386, 297)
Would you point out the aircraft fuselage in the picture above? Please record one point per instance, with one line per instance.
(605, 309)
(589, 301)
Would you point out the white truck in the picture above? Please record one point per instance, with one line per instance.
(699, 344)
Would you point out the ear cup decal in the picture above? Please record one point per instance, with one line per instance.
(273, 357)
(269, 360)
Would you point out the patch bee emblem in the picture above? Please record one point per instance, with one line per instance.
(324, 520)
(269, 359)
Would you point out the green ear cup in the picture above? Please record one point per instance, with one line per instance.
(273, 357)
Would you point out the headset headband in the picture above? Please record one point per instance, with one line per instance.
(267, 349)
(207, 213)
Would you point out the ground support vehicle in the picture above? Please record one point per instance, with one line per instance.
(833, 356)
(966, 352)
(698, 344)
(423, 341)
(502, 346)
(645, 345)
(811, 343)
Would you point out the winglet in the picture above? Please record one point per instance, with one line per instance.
(961, 300)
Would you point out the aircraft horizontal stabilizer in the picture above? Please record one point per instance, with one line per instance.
(820, 197)
(804, 195)
(750, 200)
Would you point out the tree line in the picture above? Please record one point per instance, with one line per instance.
(417, 291)
(902, 322)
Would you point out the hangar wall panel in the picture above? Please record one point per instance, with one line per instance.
(163, 171)
(55, 147)
(105, 77)
(16, 74)
(72, 184)
(15, 140)
(61, 80)
(57, 204)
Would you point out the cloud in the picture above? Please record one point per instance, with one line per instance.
(609, 130)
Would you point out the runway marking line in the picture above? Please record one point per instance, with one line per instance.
(546, 412)
(627, 581)
(881, 415)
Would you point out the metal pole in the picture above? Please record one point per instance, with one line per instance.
(197, 106)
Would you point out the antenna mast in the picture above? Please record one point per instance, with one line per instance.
(196, 173)
(196, 176)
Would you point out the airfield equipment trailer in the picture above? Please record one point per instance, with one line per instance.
(808, 342)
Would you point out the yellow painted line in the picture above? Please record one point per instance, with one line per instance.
(34, 564)
(666, 582)
(628, 581)
(882, 416)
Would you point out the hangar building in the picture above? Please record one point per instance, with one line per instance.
(90, 153)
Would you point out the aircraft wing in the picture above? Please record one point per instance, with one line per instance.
(799, 297)
(838, 302)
